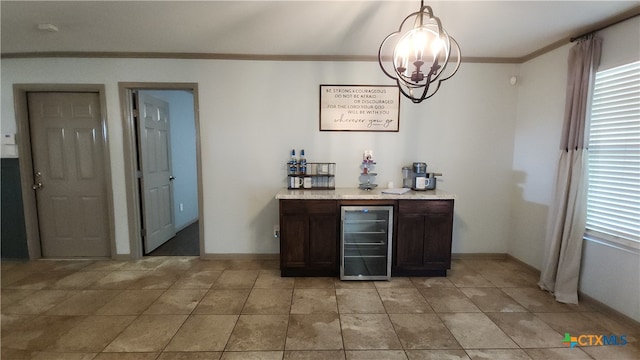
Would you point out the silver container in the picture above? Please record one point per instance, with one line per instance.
(419, 168)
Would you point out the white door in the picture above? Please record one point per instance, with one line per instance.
(155, 163)
(68, 144)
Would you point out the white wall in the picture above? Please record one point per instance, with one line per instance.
(609, 274)
(253, 112)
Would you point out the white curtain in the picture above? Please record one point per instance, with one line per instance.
(567, 215)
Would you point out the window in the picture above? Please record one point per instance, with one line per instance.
(613, 200)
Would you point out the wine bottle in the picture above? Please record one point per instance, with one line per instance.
(293, 163)
(302, 164)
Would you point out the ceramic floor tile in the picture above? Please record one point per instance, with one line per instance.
(246, 265)
(573, 323)
(78, 280)
(91, 334)
(395, 282)
(313, 301)
(268, 301)
(427, 282)
(364, 301)
(527, 330)
(176, 301)
(84, 302)
(346, 284)
(376, 355)
(39, 280)
(314, 283)
(127, 356)
(211, 265)
(422, 331)
(200, 355)
(626, 352)
(146, 263)
(404, 301)
(12, 296)
(536, 300)
(39, 333)
(437, 355)
(504, 278)
(444, 299)
(614, 325)
(178, 264)
(63, 356)
(492, 300)
(130, 302)
(13, 322)
(498, 354)
(221, 302)
(104, 265)
(468, 278)
(314, 332)
(154, 280)
(368, 332)
(8, 278)
(118, 280)
(558, 354)
(314, 355)
(203, 333)
(202, 279)
(271, 279)
(38, 302)
(252, 355)
(148, 333)
(259, 332)
(236, 279)
(476, 331)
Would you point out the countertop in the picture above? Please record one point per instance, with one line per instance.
(358, 194)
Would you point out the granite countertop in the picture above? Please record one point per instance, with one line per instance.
(358, 194)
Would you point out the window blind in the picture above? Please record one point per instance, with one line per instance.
(613, 197)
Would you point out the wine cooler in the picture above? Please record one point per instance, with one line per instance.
(365, 245)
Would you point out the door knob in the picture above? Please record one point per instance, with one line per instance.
(37, 186)
(171, 178)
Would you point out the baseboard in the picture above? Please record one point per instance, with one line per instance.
(488, 256)
(531, 268)
(211, 256)
(604, 308)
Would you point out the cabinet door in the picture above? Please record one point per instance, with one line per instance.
(323, 241)
(293, 243)
(437, 240)
(409, 247)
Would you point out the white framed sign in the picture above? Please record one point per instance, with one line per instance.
(359, 108)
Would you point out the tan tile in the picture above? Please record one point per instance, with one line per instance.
(63, 356)
(154, 280)
(104, 265)
(224, 301)
(41, 265)
(476, 331)
(258, 332)
(404, 301)
(78, 280)
(468, 278)
(558, 354)
(38, 302)
(626, 352)
(127, 356)
(443, 299)
(268, 301)
(203, 333)
(179, 301)
(130, 302)
(395, 282)
(314, 301)
(271, 264)
(314, 332)
(506, 278)
(314, 355)
(11, 277)
(437, 355)
(376, 355)
(368, 332)
(492, 300)
(12, 296)
(365, 301)
(422, 331)
(12, 322)
(236, 279)
(148, 333)
(271, 279)
(246, 265)
(16, 354)
(536, 300)
(202, 279)
(527, 330)
(178, 264)
(91, 334)
(314, 283)
(39, 280)
(210, 265)
(352, 284)
(614, 325)
(252, 355)
(498, 354)
(118, 280)
(427, 282)
(145, 264)
(39, 333)
(573, 323)
(202, 355)
(84, 302)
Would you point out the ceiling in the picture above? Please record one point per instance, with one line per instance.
(484, 29)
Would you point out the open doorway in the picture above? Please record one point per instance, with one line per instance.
(162, 168)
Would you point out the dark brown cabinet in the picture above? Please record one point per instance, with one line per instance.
(309, 237)
(423, 234)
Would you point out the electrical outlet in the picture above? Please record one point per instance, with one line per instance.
(181, 206)
(276, 231)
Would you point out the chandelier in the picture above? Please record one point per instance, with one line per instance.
(418, 57)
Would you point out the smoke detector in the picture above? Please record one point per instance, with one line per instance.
(48, 27)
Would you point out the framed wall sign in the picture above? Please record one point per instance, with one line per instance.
(359, 108)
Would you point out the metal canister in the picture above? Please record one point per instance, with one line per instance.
(419, 168)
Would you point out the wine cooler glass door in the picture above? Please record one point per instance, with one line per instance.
(366, 242)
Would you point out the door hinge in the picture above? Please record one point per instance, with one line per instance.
(136, 113)
(142, 233)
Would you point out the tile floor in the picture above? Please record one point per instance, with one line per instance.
(185, 308)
